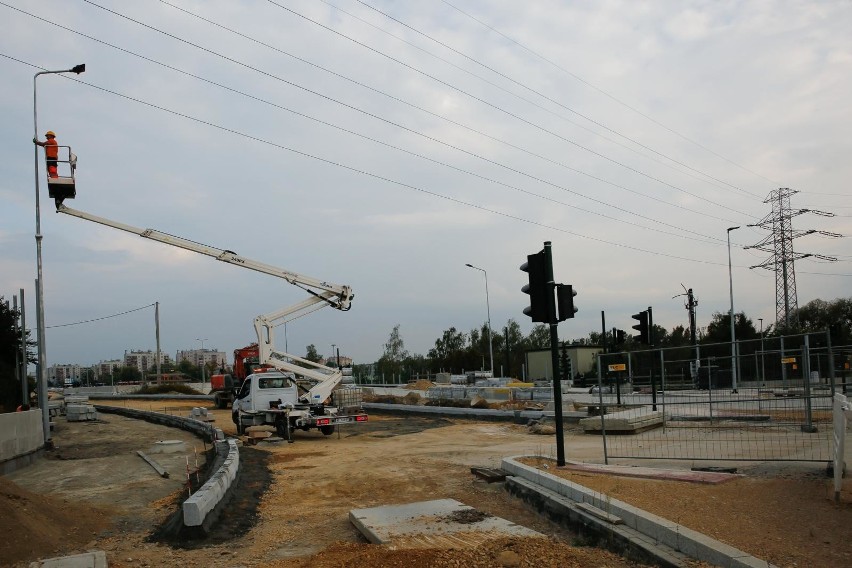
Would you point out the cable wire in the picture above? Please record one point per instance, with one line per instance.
(98, 319)
(353, 169)
(725, 185)
(502, 110)
(703, 238)
(605, 93)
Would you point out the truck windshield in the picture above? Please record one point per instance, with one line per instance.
(273, 383)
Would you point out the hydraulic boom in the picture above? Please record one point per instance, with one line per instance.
(322, 379)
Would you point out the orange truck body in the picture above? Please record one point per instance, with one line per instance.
(224, 386)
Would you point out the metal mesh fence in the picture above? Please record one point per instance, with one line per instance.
(772, 401)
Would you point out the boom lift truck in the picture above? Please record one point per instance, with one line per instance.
(302, 394)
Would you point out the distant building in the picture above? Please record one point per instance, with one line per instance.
(199, 357)
(539, 362)
(144, 361)
(332, 361)
(105, 369)
(59, 373)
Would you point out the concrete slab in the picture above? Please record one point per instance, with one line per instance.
(442, 523)
(709, 477)
(95, 559)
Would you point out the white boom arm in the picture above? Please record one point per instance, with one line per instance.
(322, 294)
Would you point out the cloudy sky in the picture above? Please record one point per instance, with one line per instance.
(384, 145)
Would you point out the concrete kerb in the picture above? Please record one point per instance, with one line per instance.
(664, 541)
(516, 416)
(202, 508)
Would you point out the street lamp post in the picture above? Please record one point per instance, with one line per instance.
(762, 365)
(202, 361)
(41, 368)
(733, 333)
(488, 308)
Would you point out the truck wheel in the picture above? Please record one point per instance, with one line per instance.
(327, 430)
(221, 402)
(236, 418)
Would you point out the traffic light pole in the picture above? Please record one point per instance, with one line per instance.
(554, 355)
(651, 345)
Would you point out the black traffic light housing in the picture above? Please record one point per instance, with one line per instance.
(642, 327)
(565, 296)
(620, 336)
(538, 287)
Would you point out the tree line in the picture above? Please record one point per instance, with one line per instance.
(456, 351)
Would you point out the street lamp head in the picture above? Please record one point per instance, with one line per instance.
(78, 68)
(469, 265)
(732, 229)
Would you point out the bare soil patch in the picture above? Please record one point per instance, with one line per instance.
(297, 515)
(782, 513)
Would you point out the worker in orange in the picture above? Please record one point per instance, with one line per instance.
(51, 152)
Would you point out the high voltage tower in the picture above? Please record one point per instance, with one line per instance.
(779, 243)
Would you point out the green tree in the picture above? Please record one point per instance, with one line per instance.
(127, 375)
(836, 315)
(185, 367)
(312, 354)
(539, 337)
(512, 345)
(394, 354)
(10, 344)
(449, 351)
(719, 328)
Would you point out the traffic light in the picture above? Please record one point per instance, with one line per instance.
(565, 296)
(642, 327)
(620, 336)
(538, 287)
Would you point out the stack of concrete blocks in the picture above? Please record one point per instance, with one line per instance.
(200, 413)
(630, 421)
(80, 412)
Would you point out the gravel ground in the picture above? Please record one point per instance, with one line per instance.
(301, 518)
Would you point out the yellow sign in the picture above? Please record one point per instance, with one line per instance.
(618, 367)
(788, 359)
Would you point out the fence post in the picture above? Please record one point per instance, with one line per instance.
(808, 426)
(663, 382)
(601, 407)
(783, 368)
(831, 378)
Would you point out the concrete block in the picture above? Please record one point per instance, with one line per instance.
(95, 559)
(436, 524)
(656, 529)
(203, 501)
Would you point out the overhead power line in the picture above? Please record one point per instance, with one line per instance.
(353, 169)
(100, 319)
(605, 93)
(721, 183)
(702, 237)
(502, 110)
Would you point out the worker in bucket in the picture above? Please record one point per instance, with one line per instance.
(51, 152)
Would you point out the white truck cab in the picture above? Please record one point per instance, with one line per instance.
(260, 392)
(272, 398)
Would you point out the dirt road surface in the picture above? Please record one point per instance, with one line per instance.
(293, 509)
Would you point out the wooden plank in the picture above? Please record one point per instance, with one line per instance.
(157, 467)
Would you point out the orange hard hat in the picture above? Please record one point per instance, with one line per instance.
(50, 133)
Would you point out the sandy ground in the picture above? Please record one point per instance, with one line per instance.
(301, 518)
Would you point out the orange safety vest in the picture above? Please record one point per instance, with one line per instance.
(51, 149)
